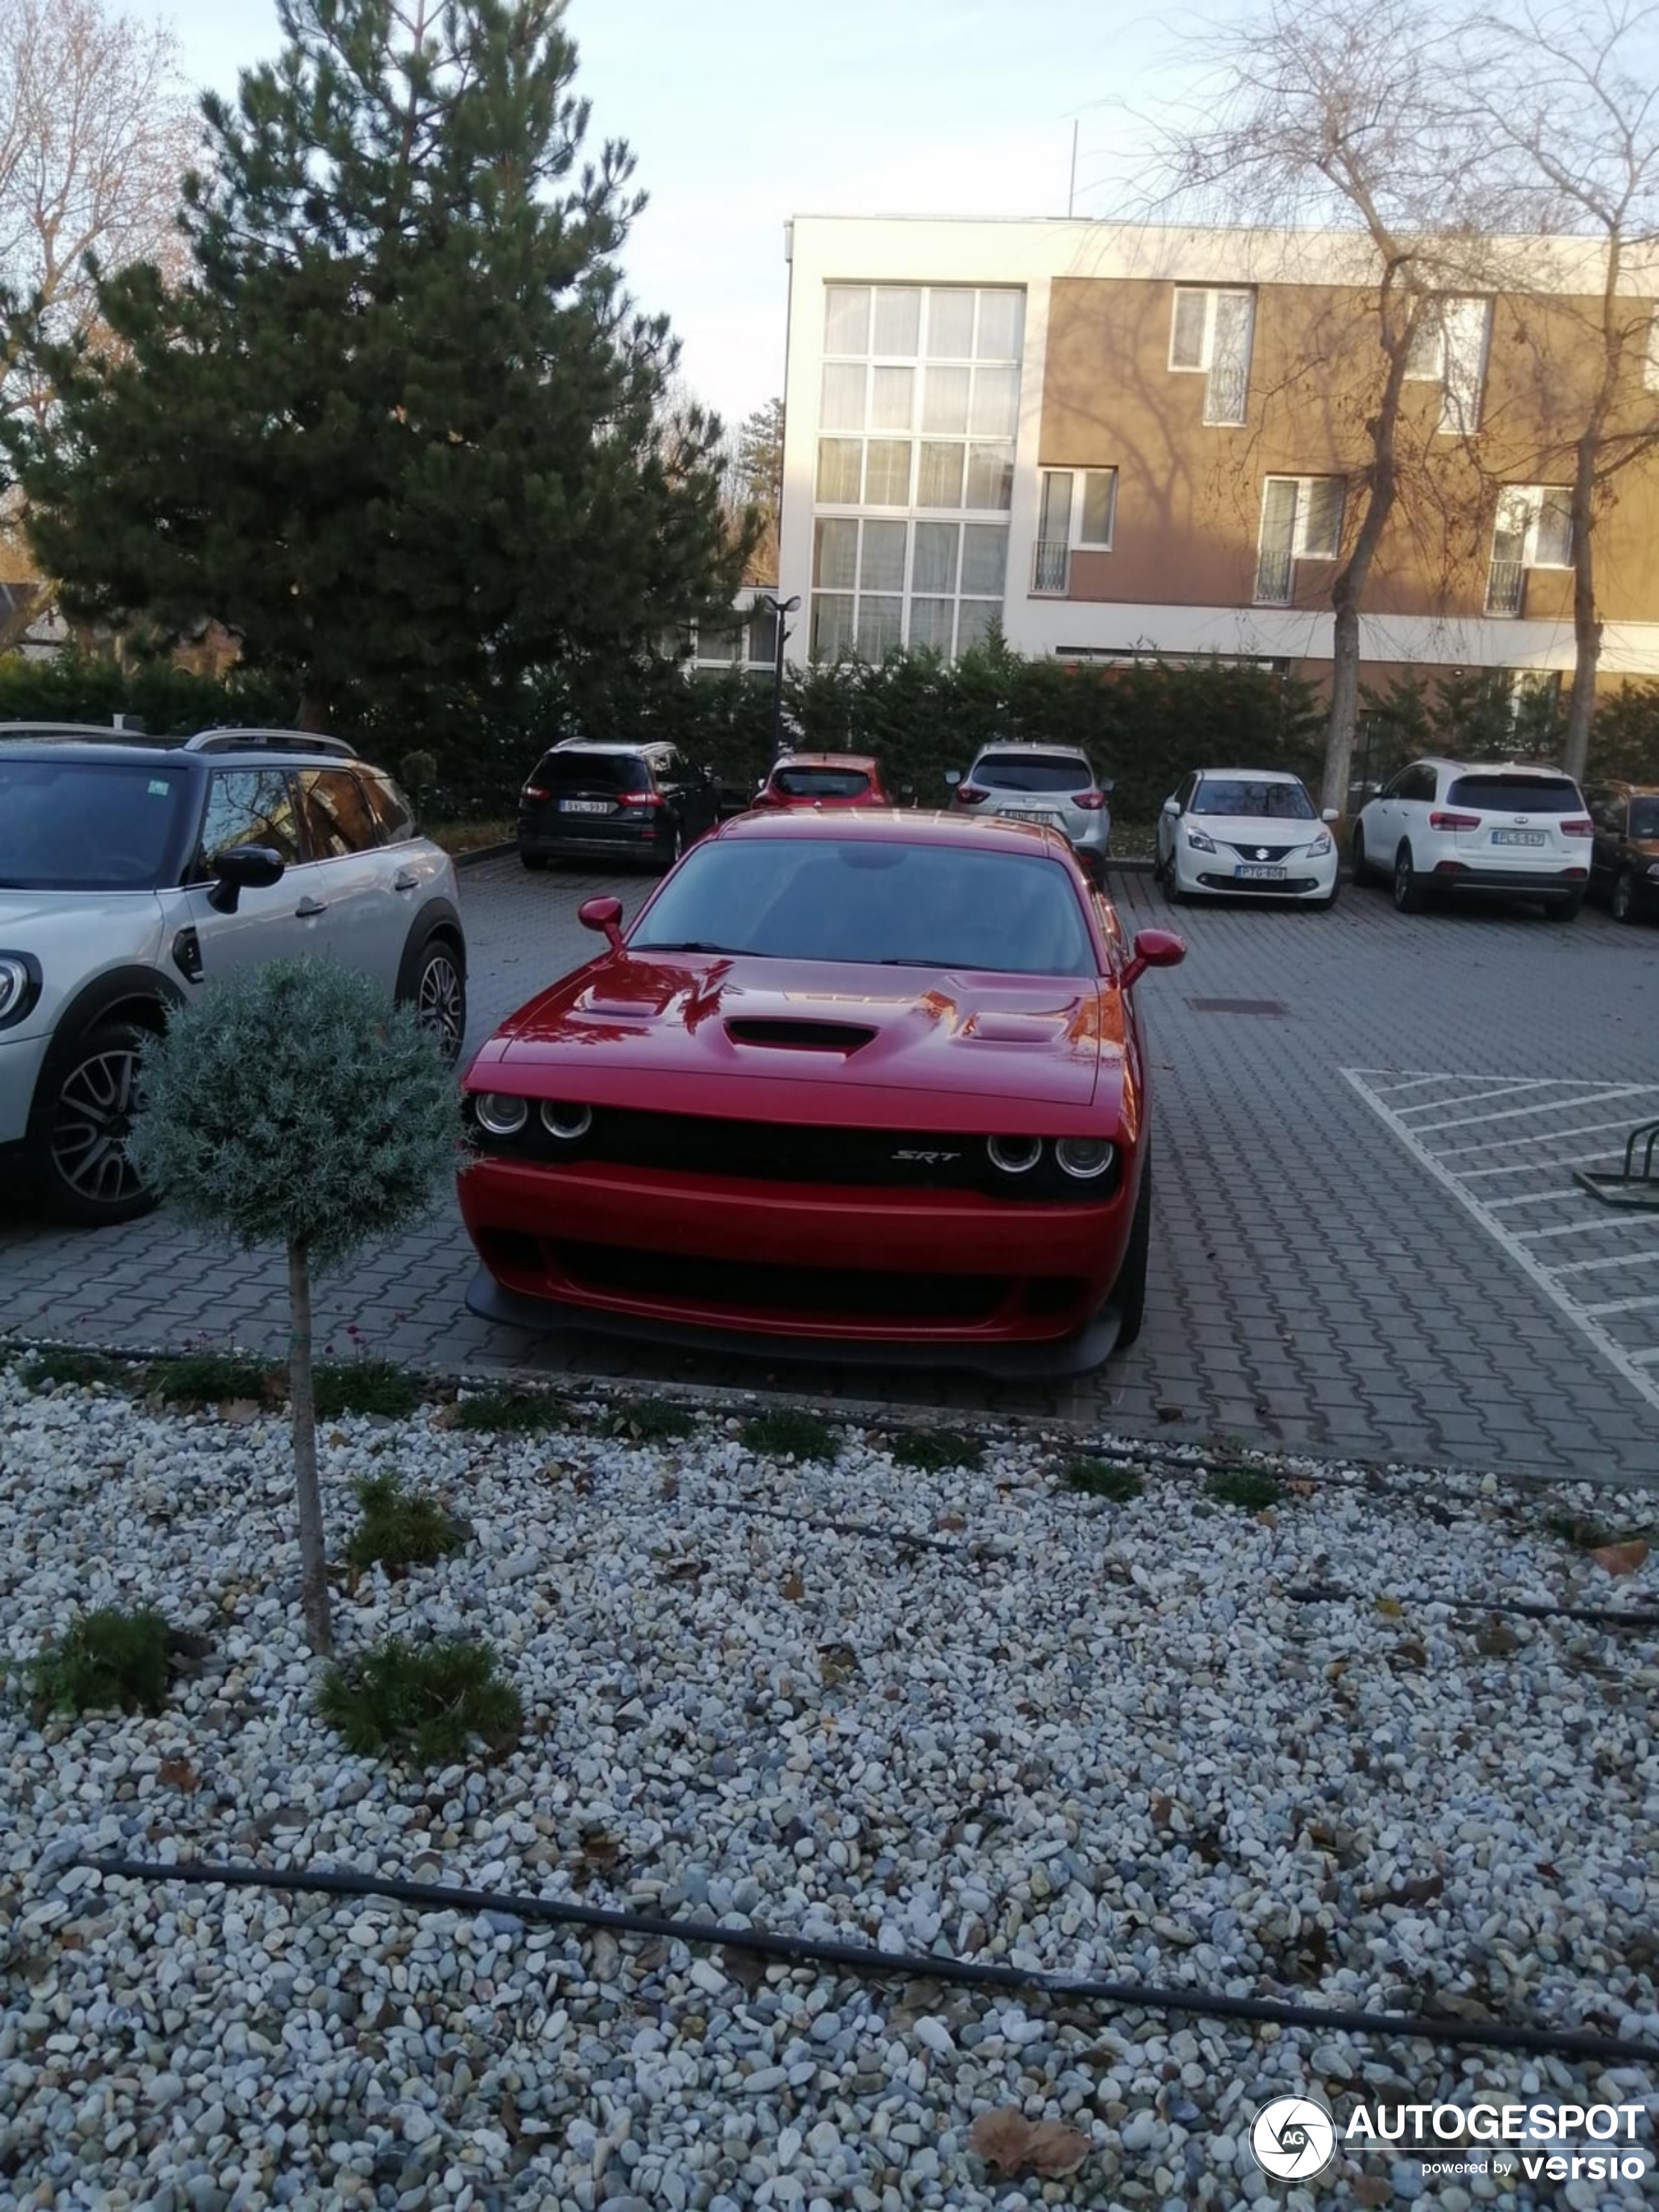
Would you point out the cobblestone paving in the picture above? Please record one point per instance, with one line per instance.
(1315, 1283)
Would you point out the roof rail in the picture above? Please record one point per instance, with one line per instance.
(283, 741)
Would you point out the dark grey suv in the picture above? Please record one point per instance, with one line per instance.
(591, 799)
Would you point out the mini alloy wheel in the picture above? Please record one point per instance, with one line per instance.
(440, 998)
(89, 1175)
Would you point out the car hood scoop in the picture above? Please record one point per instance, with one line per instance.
(800, 1035)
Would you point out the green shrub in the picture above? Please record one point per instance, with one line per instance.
(787, 1433)
(363, 1386)
(208, 1378)
(423, 1701)
(1587, 1535)
(1098, 1478)
(107, 1658)
(49, 1368)
(399, 1527)
(934, 1449)
(651, 1421)
(1242, 1485)
(524, 1411)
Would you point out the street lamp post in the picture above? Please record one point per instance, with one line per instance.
(780, 608)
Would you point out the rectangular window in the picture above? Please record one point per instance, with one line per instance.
(1301, 520)
(842, 404)
(841, 465)
(1650, 359)
(950, 325)
(835, 554)
(932, 624)
(881, 564)
(1532, 529)
(847, 318)
(1449, 348)
(891, 401)
(1076, 511)
(887, 472)
(935, 562)
(990, 477)
(898, 320)
(1211, 335)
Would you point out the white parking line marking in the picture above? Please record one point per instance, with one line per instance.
(1511, 1113)
(1538, 1145)
(1497, 1144)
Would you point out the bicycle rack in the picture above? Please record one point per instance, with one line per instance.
(1631, 1187)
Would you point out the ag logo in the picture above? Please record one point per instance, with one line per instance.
(1292, 2139)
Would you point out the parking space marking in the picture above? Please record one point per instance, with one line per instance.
(1624, 1330)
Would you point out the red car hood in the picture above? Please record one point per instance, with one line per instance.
(813, 1041)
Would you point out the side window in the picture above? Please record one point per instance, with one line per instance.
(337, 814)
(248, 806)
(393, 815)
(1184, 796)
(670, 765)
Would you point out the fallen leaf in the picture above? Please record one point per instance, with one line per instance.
(237, 1412)
(1408, 1652)
(838, 1662)
(1422, 1889)
(1389, 1607)
(1548, 1867)
(1267, 1517)
(793, 1588)
(1303, 1488)
(950, 1520)
(1371, 2189)
(1621, 1559)
(1496, 1640)
(685, 1570)
(511, 2126)
(1162, 1808)
(176, 1774)
(1008, 2140)
(1057, 2149)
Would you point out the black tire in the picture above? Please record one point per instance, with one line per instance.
(1172, 890)
(1411, 893)
(437, 992)
(79, 1157)
(1564, 910)
(536, 862)
(1626, 902)
(676, 846)
(1129, 1290)
(1361, 867)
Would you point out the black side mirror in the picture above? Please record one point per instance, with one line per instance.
(241, 868)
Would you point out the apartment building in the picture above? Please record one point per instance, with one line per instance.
(1116, 441)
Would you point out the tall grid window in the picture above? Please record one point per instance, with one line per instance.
(1211, 333)
(1449, 348)
(1533, 529)
(1301, 520)
(918, 414)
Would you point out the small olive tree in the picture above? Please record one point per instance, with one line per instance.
(292, 1105)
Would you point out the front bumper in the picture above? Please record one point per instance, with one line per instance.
(923, 1277)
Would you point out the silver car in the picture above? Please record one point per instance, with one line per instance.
(1054, 785)
(135, 870)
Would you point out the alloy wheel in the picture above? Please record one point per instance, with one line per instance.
(440, 1000)
(93, 1114)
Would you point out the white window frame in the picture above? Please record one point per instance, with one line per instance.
(1044, 566)
(1532, 496)
(1212, 295)
(1437, 313)
(1300, 550)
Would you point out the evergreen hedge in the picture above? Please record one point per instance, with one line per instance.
(1144, 725)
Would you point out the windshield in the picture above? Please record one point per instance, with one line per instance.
(1644, 818)
(820, 782)
(69, 825)
(1238, 796)
(1517, 794)
(1032, 772)
(913, 906)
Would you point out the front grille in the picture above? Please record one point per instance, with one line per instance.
(769, 1151)
(760, 1285)
(1261, 855)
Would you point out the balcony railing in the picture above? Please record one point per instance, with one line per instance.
(1051, 567)
(1273, 571)
(1506, 587)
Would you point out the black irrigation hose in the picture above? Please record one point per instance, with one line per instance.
(866, 1960)
(1603, 1616)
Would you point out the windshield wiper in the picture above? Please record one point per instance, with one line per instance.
(693, 944)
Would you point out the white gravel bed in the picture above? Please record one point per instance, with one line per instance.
(1002, 1721)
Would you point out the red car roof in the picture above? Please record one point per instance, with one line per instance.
(865, 761)
(896, 826)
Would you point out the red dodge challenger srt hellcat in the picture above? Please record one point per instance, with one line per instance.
(870, 1085)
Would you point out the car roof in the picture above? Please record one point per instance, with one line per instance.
(884, 825)
(866, 761)
(98, 741)
(1491, 767)
(1028, 745)
(611, 745)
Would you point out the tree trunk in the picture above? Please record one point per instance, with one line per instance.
(1586, 628)
(1344, 701)
(313, 1561)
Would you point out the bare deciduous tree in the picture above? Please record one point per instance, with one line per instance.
(96, 130)
(1341, 114)
(1569, 104)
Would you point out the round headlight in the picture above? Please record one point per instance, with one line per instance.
(566, 1123)
(1014, 1155)
(1085, 1157)
(499, 1113)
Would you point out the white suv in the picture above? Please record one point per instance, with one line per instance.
(1055, 785)
(1447, 825)
(133, 870)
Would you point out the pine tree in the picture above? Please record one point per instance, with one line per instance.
(397, 427)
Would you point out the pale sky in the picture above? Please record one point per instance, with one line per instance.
(741, 117)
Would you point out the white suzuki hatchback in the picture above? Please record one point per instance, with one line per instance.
(1246, 831)
(1507, 826)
